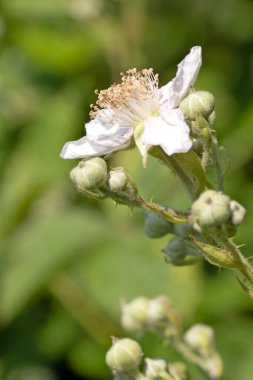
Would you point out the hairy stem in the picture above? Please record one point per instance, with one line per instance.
(188, 168)
(216, 160)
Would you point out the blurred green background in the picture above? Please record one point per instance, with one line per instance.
(66, 261)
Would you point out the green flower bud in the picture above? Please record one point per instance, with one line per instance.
(156, 369)
(121, 186)
(200, 338)
(181, 252)
(124, 355)
(211, 209)
(89, 174)
(178, 370)
(237, 213)
(197, 103)
(183, 230)
(155, 226)
(162, 316)
(134, 314)
(118, 179)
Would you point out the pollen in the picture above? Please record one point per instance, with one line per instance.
(136, 88)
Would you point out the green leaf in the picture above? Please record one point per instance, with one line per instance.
(216, 256)
(38, 251)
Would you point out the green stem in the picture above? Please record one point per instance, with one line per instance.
(169, 214)
(188, 168)
(216, 160)
(209, 140)
(205, 155)
(193, 358)
(172, 163)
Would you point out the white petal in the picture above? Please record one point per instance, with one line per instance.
(97, 127)
(169, 131)
(94, 128)
(186, 75)
(97, 145)
(83, 148)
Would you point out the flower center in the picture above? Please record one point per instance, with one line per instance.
(132, 100)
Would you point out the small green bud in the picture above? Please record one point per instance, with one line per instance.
(181, 252)
(197, 103)
(183, 230)
(155, 226)
(211, 209)
(179, 371)
(89, 174)
(118, 179)
(122, 186)
(134, 314)
(162, 316)
(237, 213)
(156, 369)
(200, 338)
(124, 355)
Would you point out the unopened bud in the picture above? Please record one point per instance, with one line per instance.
(179, 371)
(200, 338)
(118, 179)
(162, 316)
(156, 369)
(183, 230)
(124, 355)
(237, 213)
(122, 185)
(155, 226)
(181, 252)
(89, 174)
(211, 209)
(134, 314)
(197, 103)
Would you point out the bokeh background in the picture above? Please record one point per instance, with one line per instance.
(66, 261)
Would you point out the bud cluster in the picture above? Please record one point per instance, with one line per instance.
(156, 314)
(179, 251)
(214, 209)
(200, 339)
(124, 359)
(160, 369)
(197, 344)
(92, 178)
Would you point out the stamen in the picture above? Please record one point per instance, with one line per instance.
(137, 90)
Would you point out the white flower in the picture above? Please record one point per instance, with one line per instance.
(137, 109)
